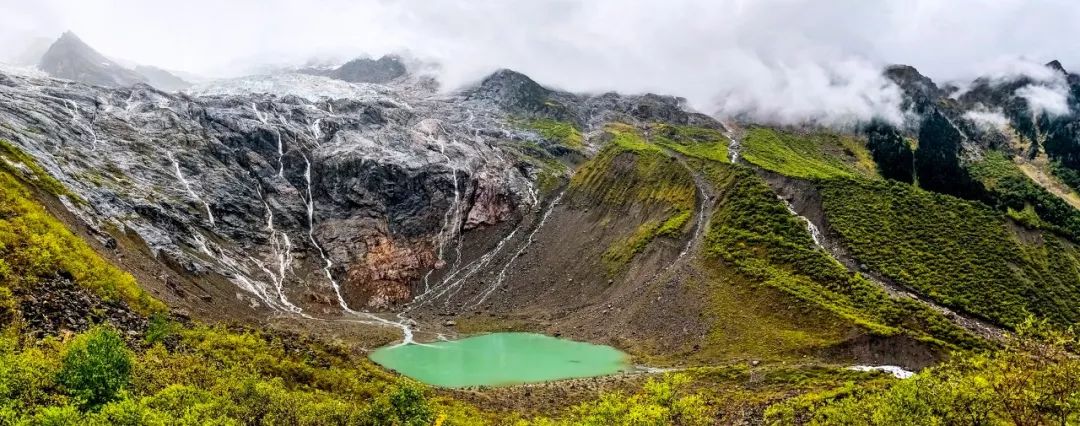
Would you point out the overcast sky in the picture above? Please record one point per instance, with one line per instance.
(776, 57)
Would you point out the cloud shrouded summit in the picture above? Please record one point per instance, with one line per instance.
(778, 60)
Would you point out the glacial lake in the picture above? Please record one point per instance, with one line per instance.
(501, 359)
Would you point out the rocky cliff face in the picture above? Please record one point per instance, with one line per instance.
(305, 203)
(286, 197)
(1026, 116)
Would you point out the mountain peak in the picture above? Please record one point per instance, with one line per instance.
(513, 90)
(1056, 66)
(919, 89)
(71, 58)
(69, 36)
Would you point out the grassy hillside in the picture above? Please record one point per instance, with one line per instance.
(961, 253)
(1014, 192)
(754, 232)
(562, 132)
(958, 252)
(631, 173)
(817, 155)
(774, 294)
(1031, 382)
(696, 142)
(34, 246)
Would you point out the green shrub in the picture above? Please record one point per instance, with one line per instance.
(128, 412)
(64, 415)
(404, 405)
(96, 367)
(160, 328)
(9, 309)
(668, 401)
(1021, 198)
(1069, 176)
(27, 377)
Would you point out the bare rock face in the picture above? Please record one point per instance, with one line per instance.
(303, 192)
(283, 195)
(387, 269)
(489, 206)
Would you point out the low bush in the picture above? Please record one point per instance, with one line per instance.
(95, 367)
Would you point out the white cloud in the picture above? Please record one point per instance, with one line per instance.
(988, 119)
(1052, 99)
(1009, 68)
(831, 93)
(784, 59)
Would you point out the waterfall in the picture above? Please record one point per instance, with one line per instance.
(75, 120)
(187, 186)
(258, 114)
(316, 131)
(403, 324)
(452, 217)
(327, 264)
(733, 149)
(282, 252)
(241, 280)
(280, 155)
(815, 233)
(277, 135)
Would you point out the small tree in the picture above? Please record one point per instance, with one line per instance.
(95, 367)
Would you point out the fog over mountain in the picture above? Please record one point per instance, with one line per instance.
(773, 60)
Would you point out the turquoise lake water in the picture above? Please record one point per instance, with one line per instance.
(501, 359)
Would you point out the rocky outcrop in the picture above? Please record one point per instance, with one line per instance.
(920, 92)
(382, 277)
(955, 127)
(56, 306)
(365, 70)
(517, 93)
